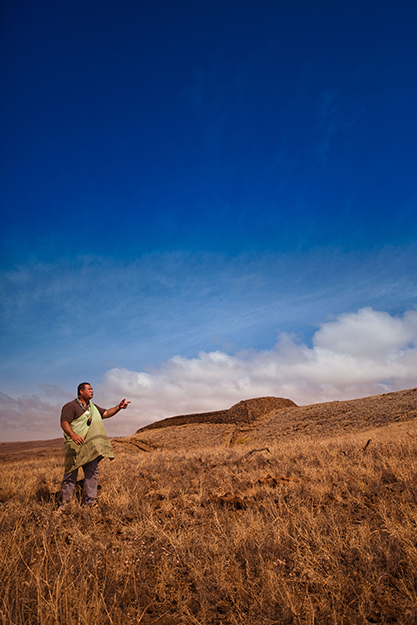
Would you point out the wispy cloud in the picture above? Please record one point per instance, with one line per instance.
(102, 301)
(337, 116)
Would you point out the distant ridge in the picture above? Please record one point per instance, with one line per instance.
(246, 411)
(266, 420)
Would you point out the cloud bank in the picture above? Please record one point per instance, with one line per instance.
(357, 354)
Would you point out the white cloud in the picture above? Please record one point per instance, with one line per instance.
(367, 334)
(358, 354)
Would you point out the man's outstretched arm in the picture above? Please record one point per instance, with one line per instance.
(112, 411)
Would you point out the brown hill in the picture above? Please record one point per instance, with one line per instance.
(246, 411)
(287, 421)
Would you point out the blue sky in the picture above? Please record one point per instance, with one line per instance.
(193, 186)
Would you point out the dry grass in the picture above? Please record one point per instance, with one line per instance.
(310, 532)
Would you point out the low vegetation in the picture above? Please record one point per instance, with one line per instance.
(312, 531)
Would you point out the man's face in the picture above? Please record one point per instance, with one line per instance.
(87, 393)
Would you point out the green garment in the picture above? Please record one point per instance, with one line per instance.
(96, 445)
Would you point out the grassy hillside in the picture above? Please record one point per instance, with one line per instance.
(296, 529)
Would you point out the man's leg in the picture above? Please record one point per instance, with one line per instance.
(67, 486)
(90, 482)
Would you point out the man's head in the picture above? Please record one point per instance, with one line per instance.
(85, 391)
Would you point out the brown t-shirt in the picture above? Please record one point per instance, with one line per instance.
(73, 410)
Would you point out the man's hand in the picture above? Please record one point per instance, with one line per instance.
(124, 404)
(78, 440)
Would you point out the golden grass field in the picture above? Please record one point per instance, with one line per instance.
(302, 516)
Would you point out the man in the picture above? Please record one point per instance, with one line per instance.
(86, 442)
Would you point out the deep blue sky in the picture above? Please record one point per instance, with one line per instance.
(198, 175)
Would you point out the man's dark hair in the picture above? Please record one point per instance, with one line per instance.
(82, 386)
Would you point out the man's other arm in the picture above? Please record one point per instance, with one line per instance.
(66, 426)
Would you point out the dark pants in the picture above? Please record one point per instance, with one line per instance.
(90, 483)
